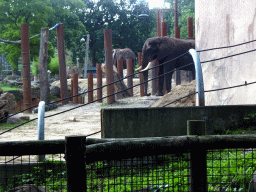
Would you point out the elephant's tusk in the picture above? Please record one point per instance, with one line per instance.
(139, 68)
(148, 67)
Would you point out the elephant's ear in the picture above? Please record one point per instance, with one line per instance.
(164, 48)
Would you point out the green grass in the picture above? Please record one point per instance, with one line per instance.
(4, 88)
(226, 168)
(4, 126)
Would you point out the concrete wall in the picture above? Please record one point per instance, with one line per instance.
(221, 23)
(160, 122)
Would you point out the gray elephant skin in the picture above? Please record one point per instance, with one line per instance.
(165, 49)
(123, 54)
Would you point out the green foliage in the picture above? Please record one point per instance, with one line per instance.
(186, 8)
(53, 66)
(13, 13)
(4, 88)
(128, 30)
(4, 126)
(52, 176)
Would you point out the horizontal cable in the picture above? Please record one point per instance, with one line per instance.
(229, 56)
(19, 42)
(226, 46)
(211, 91)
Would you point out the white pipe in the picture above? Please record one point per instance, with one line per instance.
(199, 77)
(41, 110)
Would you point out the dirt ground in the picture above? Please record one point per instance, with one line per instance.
(85, 120)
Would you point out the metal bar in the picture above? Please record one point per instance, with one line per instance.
(199, 77)
(40, 125)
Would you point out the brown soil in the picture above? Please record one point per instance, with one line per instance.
(86, 119)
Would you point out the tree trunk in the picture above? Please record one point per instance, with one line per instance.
(42, 66)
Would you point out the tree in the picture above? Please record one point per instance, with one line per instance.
(128, 30)
(186, 8)
(69, 12)
(13, 13)
(38, 14)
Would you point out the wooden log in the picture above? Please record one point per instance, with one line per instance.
(118, 86)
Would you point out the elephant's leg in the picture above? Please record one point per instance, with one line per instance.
(145, 85)
(160, 81)
(168, 82)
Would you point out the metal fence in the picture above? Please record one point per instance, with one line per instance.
(184, 163)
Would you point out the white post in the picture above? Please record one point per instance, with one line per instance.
(41, 110)
(199, 77)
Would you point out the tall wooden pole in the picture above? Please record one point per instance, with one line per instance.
(42, 66)
(62, 62)
(176, 35)
(109, 64)
(27, 101)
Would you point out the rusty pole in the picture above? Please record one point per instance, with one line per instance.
(190, 36)
(190, 27)
(62, 62)
(75, 87)
(72, 88)
(109, 65)
(90, 87)
(120, 67)
(164, 29)
(27, 100)
(141, 75)
(163, 34)
(176, 35)
(99, 83)
(130, 72)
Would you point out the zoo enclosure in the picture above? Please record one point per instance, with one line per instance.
(170, 163)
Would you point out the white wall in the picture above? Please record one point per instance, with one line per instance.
(221, 23)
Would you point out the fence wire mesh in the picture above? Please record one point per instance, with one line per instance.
(231, 169)
(227, 170)
(151, 173)
(25, 173)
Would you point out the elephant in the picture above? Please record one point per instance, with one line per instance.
(123, 54)
(165, 49)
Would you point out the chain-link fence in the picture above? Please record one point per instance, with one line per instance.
(182, 163)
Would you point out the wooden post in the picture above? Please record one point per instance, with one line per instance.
(62, 62)
(190, 27)
(42, 66)
(141, 75)
(27, 100)
(90, 87)
(198, 164)
(75, 147)
(109, 65)
(120, 68)
(129, 72)
(99, 83)
(75, 87)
